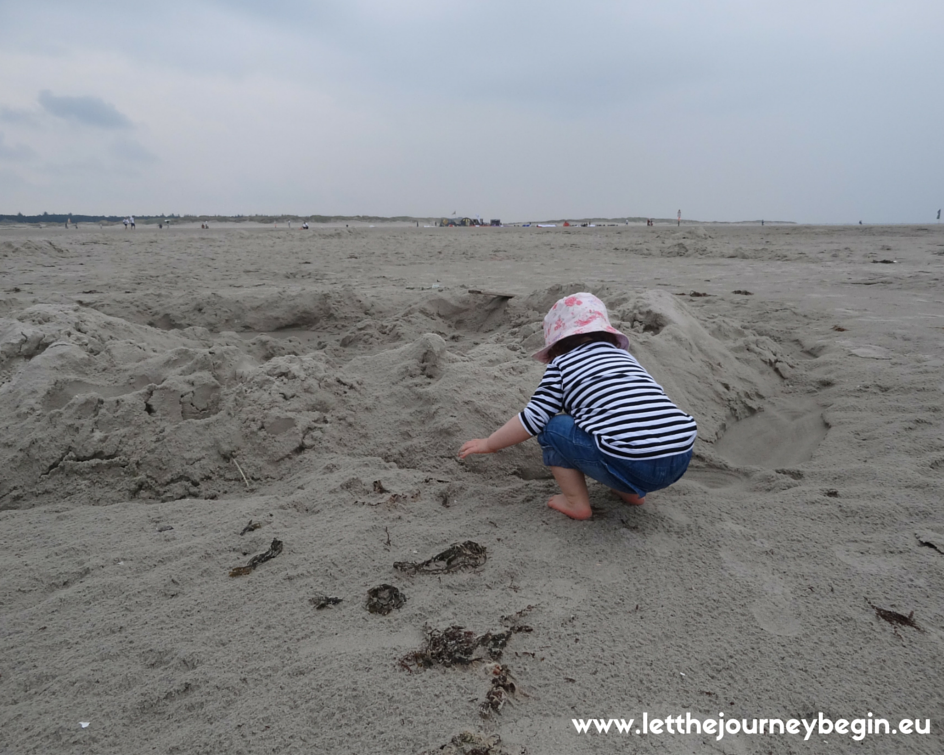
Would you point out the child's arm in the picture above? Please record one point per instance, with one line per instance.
(509, 434)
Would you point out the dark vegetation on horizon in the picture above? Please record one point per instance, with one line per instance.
(48, 217)
(61, 218)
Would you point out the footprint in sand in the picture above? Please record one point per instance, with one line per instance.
(713, 478)
(868, 556)
(774, 609)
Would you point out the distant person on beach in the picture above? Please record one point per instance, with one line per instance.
(131, 220)
(125, 221)
(596, 413)
(679, 217)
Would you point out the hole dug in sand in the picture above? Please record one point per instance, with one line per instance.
(785, 434)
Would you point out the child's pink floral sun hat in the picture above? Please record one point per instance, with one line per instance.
(575, 314)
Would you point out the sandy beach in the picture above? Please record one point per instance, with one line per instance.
(174, 402)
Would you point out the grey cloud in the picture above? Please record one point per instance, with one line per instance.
(540, 55)
(9, 181)
(131, 151)
(18, 117)
(16, 152)
(220, 37)
(90, 111)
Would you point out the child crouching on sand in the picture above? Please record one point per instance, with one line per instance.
(597, 413)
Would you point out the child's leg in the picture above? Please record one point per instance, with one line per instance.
(573, 500)
(568, 450)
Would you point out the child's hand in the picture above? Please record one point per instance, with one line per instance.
(476, 446)
(509, 434)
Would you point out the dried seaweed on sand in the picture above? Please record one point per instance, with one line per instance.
(323, 601)
(467, 555)
(384, 598)
(457, 646)
(274, 550)
(468, 743)
(502, 687)
(893, 617)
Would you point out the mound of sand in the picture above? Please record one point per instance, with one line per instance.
(108, 409)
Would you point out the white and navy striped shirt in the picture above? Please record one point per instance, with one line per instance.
(615, 400)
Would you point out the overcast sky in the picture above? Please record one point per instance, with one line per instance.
(825, 111)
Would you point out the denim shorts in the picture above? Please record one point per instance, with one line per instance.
(566, 445)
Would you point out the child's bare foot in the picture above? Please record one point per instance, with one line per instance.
(573, 510)
(631, 498)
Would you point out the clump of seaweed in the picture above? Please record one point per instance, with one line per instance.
(456, 646)
(274, 550)
(323, 601)
(502, 686)
(467, 743)
(250, 527)
(893, 617)
(384, 598)
(467, 555)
